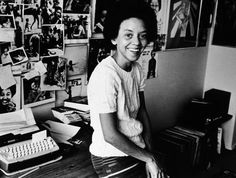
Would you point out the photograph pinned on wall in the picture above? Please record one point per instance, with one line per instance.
(148, 62)
(100, 8)
(52, 40)
(98, 50)
(55, 77)
(77, 28)
(32, 94)
(6, 7)
(225, 27)
(18, 56)
(51, 11)
(76, 55)
(183, 23)
(7, 22)
(27, 67)
(4, 49)
(32, 46)
(74, 85)
(75, 6)
(10, 97)
(32, 18)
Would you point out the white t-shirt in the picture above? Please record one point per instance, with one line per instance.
(112, 89)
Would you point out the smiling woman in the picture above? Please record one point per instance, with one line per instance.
(121, 142)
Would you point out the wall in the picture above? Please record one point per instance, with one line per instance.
(181, 77)
(221, 74)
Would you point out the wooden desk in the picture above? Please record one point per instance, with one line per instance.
(74, 164)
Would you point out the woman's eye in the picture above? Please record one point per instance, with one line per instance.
(128, 36)
(143, 36)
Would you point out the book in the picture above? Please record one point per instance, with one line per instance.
(78, 102)
(66, 115)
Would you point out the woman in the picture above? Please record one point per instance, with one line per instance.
(121, 142)
(6, 99)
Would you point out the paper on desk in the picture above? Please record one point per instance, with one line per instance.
(8, 81)
(16, 120)
(61, 132)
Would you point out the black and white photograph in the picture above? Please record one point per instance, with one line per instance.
(77, 28)
(77, 6)
(100, 8)
(10, 97)
(183, 23)
(18, 56)
(51, 11)
(225, 25)
(32, 18)
(52, 40)
(7, 22)
(6, 7)
(148, 61)
(32, 46)
(55, 77)
(76, 55)
(32, 93)
(4, 49)
(98, 50)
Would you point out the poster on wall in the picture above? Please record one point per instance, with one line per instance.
(55, 77)
(32, 94)
(5, 57)
(183, 23)
(160, 8)
(18, 56)
(76, 55)
(10, 97)
(225, 25)
(32, 46)
(148, 62)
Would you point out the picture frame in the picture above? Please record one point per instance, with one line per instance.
(32, 94)
(13, 95)
(183, 23)
(56, 75)
(18, 55)
(76, 60)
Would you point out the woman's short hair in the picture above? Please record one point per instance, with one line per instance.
(125, 9)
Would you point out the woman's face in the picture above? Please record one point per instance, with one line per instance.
(5, 96)
(131, 40)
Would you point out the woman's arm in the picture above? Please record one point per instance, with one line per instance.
(144, 118)
(121, 142)
(113, 136)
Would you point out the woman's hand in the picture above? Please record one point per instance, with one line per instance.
(154, 171)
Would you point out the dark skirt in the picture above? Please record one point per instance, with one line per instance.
(118, 167)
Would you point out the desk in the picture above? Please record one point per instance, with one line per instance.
(74, 164)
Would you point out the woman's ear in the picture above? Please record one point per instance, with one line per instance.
(113, 42)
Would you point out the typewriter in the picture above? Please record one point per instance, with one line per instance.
(24, 153)
(25, 146)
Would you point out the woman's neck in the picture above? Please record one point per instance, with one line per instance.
(123, 64)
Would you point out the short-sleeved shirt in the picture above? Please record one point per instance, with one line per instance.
(112, 89)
